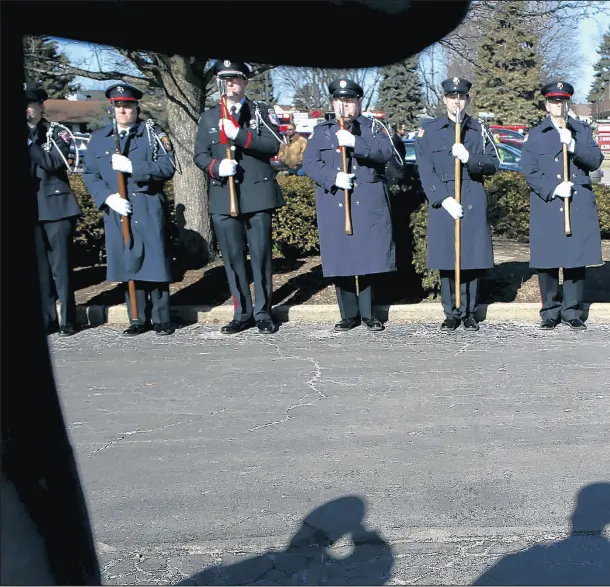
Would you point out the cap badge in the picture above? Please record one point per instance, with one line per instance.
(343, 83)
(559, 86)
(227, 63)
(456, 81)
(120, 89)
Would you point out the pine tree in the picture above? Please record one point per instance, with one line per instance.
(599, 87)
(42, 54)
(508, 82)
(399, 92)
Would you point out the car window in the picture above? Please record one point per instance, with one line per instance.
(507, 156)
(410, 153)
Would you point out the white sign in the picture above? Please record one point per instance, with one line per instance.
(486, 114)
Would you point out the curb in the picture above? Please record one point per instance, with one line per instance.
(421, 313)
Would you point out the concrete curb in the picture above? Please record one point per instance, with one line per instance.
(421, 313)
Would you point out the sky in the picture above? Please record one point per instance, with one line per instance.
(591, 31)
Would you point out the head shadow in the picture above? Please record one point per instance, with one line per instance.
(582, 558)
(331, 547)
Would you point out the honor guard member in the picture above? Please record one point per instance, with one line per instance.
(148, 161)
(58, 210)
(369, 250)
(254, 139)
(436, 151)
(543, 166)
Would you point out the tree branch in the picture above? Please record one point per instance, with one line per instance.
(64, 70)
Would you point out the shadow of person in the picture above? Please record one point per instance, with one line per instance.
(583, 558)
(316, 555)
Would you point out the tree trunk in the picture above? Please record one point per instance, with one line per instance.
(182, 98)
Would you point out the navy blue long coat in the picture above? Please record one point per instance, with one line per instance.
(542, 166)
(436, 166)
(148, 257)
(370, 249)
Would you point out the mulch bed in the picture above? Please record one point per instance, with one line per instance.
(300, 281)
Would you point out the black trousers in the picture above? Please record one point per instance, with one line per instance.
(152, 301)
(553, 307)
(54, 256)
(469, 292)
(353, 304)
(236, 236)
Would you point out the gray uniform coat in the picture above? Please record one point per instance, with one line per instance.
(370, 249)
(542, 166)
(147, 257)
(436, 166)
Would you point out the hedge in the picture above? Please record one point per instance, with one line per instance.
(295, 228)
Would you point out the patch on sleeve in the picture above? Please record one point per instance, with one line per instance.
(273, 117)
(64, 135)
(420, 134)
(167, 144)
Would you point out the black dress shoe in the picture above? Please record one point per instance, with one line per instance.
(548, 324)
(373, 324)
(266, 326)
(136, 329)
(52, 329)
(67, 330)
(164, 329)
(235, 326)
(471, 324)
(449, 324)
(346, 324)
(576, 324)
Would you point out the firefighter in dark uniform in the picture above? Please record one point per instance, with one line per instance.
(436, 152)
(58, 210)
(550, 248)
(253, 134)
(369, 250)
(148, 161)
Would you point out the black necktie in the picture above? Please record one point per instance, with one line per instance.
(122, 134)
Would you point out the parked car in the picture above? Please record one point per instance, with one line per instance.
(510, 155)
(508, 136)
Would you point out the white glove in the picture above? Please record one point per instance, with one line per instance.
(227, 167)
(344, 180)
(121, 163)
(230, 129)
(458, 150)
(563, 190)
(456, 210)
(346, 138)
(565, 136)
(118, 204)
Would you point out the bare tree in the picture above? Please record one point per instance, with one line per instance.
(432, 67)
(309, 86)
(188, 87)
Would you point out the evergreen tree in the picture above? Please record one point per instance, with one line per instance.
(400, 94)
(599, 87)
(41, 54)
(508, 82)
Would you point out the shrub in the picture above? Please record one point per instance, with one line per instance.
(89, 246)
(508, 205)
(295, 229)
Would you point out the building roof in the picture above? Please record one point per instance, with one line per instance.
(75, 111)
(581, 109)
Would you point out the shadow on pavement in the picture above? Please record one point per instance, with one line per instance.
(312, 557)
(583, 558)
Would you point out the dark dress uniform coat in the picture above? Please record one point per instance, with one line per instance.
(542, 166)
(436, 166)
(148, 258)
(370, 249)
(255, 186)
(56, 200)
